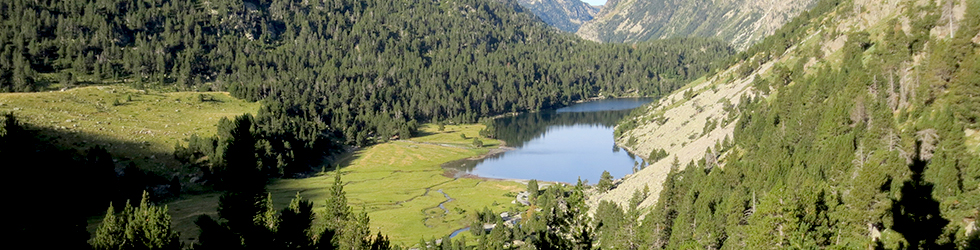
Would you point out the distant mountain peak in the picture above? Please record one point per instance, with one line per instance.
(565, 15)
(740, 22)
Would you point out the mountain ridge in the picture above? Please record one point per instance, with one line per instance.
(740, 22)
(566, 15)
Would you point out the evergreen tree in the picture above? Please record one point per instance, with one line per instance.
(532, 189)
(605, 182)
(336, 211)
(294, 229)
(143, 227)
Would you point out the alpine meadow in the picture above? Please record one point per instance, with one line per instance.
(366, 124)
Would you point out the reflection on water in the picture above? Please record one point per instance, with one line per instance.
(559, 145)
(607, 105)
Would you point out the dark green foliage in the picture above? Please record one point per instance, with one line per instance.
(336, 72)
(348, 229)
(916, 214)
(295, 226)
(248, 221)
(532, 188)
(86, 179)
(843, 157)
(336, 208)
(143, 227)
(657, 155)
(238, 156)
(235, 164)
(966, 80)
(609, 220)
(558, 220)
(239, 210)
(215, 236)
(605, 182)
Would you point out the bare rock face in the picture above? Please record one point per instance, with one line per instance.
(565, 15)
(740, 22)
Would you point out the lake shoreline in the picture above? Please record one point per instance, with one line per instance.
(503, 148)
(456, 173)
(563, 145)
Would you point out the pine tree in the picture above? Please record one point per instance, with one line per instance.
(268, 219)
(143, 227)
(768, 225)
(532, 189)
(236, 163)
(605, 182)
(294, 231)
(336, 210)
(110, 233)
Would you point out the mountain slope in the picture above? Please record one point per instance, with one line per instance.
(565, 15)
(740, 22)
(854, 126)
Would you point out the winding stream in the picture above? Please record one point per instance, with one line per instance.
(459, 231)
(442, 204)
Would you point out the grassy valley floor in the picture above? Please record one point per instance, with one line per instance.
(400, 184)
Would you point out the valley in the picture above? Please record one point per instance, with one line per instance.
(399, 184)
(471, 124)
(825, 130)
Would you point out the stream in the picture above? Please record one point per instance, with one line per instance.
(442, 204)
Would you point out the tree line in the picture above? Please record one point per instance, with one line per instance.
(329, 74)
(336, 72)
(849, 155)
(65, 185)
(846, 156)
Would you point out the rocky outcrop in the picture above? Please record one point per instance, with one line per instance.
(740, 22)
(565, 15)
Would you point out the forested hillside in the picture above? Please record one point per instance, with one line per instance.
(335, 72)
(860, 132)
(328, 74)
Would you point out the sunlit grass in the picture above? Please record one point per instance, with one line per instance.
(131, 124)
(397, 184)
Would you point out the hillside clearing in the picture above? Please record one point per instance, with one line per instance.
(139, 126)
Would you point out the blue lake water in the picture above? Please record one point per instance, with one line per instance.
(559, 145)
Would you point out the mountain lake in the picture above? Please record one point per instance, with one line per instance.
(560, 145)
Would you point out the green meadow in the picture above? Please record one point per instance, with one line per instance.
(141, 126)
(397, 183)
